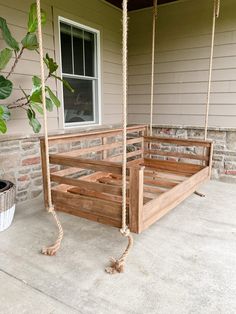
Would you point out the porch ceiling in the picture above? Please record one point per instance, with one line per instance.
(138, 4)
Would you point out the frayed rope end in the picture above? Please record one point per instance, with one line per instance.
(117, 266)
(50, 251)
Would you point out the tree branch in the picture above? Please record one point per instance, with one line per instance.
(15, 62)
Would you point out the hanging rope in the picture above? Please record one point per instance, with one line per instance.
(153, 62)
(117, 265)
(54, 248)
(216, 13)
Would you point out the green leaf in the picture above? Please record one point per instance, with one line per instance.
(11, 42)
(5, 56)
(49, 104)
(65, 83)
(53, 97)
(36, 95)
(33, 20)
(30, 113)
(35, 125)
(36, 81)
(51, 64)
(3, 126)
(5, 87)
(4, 113)
(30, 42)
(37, 106)
(33, 121)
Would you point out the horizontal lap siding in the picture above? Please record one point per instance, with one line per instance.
(107, 20)
(182, 61)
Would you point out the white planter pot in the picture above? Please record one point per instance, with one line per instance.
(7, 204)
(6, 218)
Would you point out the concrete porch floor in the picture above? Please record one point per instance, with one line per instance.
(185, 263)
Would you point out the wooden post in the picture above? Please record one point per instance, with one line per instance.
(136, 199)
(44, 172)
(210, 158)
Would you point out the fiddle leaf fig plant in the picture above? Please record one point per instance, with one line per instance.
(31, 102)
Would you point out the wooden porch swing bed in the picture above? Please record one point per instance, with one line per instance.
(161, 173)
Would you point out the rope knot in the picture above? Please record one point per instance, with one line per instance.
(50, 208)
(125, 232)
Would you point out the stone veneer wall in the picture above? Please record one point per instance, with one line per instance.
(20, 158)
(224, 156)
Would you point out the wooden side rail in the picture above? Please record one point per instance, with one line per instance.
(157, 208)
(156, 146)
(178, 141)
(97, 165)
(66, 138)
(98, 187)
(172, 166)
(100, 148)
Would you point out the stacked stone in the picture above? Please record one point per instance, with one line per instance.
(224, 156)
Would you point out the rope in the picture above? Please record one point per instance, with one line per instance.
(54, 248)
(216, 13)
(117, 265)
(153, 62)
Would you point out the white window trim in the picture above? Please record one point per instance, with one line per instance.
(97, 111)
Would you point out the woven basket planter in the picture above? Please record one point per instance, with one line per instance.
(7, 203)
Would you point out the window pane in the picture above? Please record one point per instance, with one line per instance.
(78, 106)
(66, 49)
(78, 35)
(89, 48)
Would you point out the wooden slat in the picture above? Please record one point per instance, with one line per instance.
(176, 154)
(165, 176)
(99, 195)
(117, 179)
(157, 208)
(160, 183)
(92, 134)
(99, 148)
(97, 165)
(154, 189)
(169, 172)
(89, 204)
(88, 208)
(109, 180)
(99, 187)
(178, 141)
(67, 171)
(172, 166)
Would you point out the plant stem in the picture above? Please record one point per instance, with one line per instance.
(15, 62)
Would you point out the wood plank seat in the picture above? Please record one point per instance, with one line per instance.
(161, 173)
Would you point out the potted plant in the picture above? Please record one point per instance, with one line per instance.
(31, 102)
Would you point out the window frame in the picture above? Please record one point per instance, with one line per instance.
(97, 77)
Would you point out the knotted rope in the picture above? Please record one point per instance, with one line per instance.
(216, 13)
(117, 265)
(55, 247)
(153, 62)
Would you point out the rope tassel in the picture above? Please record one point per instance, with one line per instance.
(118, 265)
(52, 250)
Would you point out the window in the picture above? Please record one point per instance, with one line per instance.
(79, 58)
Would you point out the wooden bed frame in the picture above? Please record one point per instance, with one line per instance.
(161, 173)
